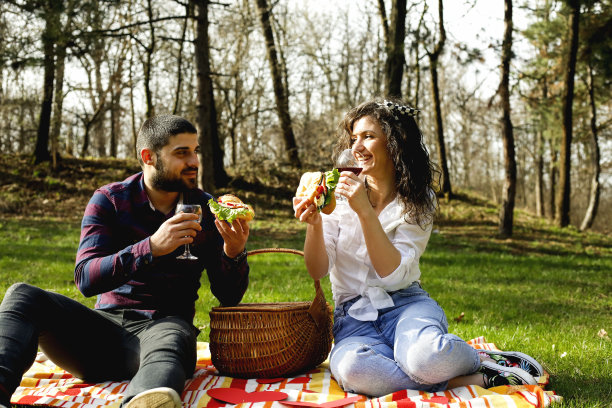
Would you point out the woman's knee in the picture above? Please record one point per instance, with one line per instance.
(432, 359)
(347, 367)
(361, 367)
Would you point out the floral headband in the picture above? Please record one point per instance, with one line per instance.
(398, 109)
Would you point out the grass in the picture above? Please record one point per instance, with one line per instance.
(546, 291)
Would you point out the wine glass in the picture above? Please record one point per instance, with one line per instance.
(346, 161)
(193, 209)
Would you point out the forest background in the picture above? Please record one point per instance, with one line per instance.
(522, 117)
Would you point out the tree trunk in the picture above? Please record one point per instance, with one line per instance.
(554, 177)
(594, 193)
(539, 182)
(433, 69)
(98, 128)
(179, 62)
(280, 92)
(49, 38)
(148, 62)
(116, 92)
(539, 175)
(383, 20)
(435, 91)
(132, 106)
(563, 198)
(90, 123)
(56, 124)
(394, 65)
(509, 191)
(212, 172)
(417, 61)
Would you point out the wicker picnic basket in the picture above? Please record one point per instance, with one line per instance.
(270, 340)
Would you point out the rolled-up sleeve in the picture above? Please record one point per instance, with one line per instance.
(410, 240)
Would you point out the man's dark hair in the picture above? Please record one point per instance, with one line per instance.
(155, 132)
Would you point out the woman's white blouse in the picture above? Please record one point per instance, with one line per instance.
(350, 269)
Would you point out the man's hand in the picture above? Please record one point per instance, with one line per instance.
(234, 235)
(174, 232)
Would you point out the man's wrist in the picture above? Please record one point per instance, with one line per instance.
(238, 258)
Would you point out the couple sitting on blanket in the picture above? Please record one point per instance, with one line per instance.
(389, 334)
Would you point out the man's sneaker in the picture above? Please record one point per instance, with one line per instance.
(515, 359)
(495, 375)
(162, 397)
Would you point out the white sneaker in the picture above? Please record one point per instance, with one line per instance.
(515, 359)
(495, 375)
(162, 397)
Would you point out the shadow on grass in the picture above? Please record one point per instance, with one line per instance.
(590, 392)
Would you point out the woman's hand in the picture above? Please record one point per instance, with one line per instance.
(353, 189)
(306, 211)
(314, 244)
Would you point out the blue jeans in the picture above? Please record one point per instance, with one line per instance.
(407, 347)
(93, 345)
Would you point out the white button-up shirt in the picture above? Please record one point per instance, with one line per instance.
(351, 271)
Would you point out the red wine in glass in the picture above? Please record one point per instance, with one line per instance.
(346, 162)
(355, 170)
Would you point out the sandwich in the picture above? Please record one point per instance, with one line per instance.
(228, 208)
(318, 187)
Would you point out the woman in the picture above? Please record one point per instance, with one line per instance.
(389, 334)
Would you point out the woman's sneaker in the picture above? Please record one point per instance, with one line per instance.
(495, 375)
(515, 359)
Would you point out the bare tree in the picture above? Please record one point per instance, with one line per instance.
(414, 69)
(394, 35)
(563, 198)
(506, 215)
(281, 93)
(179, 61)
(60, 66)
(434, 57)
(211, 158)
(51, 14)
(149, 49)
(539, 152)
(594, 192)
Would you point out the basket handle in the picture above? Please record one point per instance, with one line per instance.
(272, 250)
(318, 307)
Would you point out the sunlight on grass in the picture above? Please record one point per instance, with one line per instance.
(546, 291)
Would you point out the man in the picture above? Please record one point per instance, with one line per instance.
(141, 328)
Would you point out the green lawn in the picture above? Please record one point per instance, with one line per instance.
(546, 292)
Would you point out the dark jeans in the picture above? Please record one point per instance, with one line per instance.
(93, 345)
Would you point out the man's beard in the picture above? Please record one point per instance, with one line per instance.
(163, 180)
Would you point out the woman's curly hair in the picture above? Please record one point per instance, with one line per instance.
(416, 177)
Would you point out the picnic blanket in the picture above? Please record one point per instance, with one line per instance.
(45, 384)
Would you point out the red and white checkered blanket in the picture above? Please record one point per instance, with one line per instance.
(45, 384)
